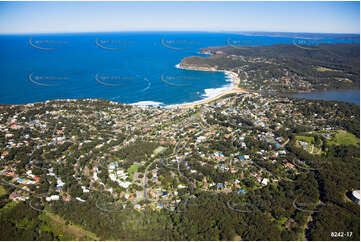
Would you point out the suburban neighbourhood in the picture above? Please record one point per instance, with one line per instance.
(156, 156)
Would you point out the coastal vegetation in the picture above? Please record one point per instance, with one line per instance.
(285, 68)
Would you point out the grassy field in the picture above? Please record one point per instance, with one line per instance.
(65, 231)
(339, 137)
(197, 114)
(2, 190)
(311, 140)
(322, 69)
(345, 138)
(8, 206)
(158, 150)
(316, 150)
(132, 169)
(308, 139)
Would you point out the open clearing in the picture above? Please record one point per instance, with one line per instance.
(345, 138)
(65, 231)
(132, 169)
(2, 190)
(309, 139)
(320, 68)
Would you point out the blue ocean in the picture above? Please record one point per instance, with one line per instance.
(126, 67)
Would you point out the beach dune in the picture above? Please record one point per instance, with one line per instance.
(235, 88)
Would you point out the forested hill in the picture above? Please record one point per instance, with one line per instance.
(286, 67)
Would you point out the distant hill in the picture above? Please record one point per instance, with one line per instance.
(286, 67)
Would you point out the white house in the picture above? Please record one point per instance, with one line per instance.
(52, 198)
(79, 199)
(265, 181)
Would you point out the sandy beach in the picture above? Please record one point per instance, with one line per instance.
(235, 89)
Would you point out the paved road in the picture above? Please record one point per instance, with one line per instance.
(19, 188)
(286, 142)
(145, 179)
(175, 150)
(239, 210)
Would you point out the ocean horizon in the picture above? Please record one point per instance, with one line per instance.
(125, 67)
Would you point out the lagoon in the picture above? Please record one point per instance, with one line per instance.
(350, 96)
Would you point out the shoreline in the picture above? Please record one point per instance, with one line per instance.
(234, 88)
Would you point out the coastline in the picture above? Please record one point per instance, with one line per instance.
(233, 89)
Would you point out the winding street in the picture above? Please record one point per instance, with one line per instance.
(145, 179)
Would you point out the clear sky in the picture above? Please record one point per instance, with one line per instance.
(49, 17)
